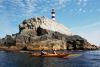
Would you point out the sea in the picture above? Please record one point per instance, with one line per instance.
(21, 59)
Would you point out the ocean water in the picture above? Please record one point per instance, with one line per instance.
(86, 59)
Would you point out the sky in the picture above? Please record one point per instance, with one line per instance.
(82, 17)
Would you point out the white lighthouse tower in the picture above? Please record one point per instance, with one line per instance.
(53, 14)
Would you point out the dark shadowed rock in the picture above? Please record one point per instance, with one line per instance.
(40, 31)
(8, 41)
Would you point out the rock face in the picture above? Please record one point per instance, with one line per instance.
(45, 24)
(8, 41)
(42, 33)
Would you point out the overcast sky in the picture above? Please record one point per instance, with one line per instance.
(82, 17)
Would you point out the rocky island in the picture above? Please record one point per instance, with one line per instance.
(43, 33)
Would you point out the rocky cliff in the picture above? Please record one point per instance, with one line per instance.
(42, 33)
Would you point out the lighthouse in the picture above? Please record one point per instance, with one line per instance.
(53, 14)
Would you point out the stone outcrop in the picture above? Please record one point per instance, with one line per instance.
(42, 33)
(44, 23)
(8, 41)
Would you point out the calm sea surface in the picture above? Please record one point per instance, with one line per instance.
(86, 59)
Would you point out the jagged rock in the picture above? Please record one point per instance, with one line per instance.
(40, 32)
(8, 41)
(44, 23)
(48, 45)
